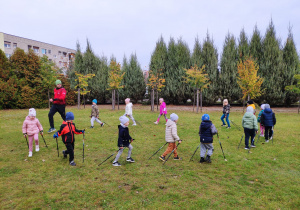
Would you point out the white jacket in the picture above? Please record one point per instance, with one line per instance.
(171, 131)
(128, 109)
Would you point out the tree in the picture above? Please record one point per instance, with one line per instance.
(82, 81)
(295, 89)
(256, 46)
(198, 80)
(243, 48)
(247, 79)
(156, 83)
(115, 79)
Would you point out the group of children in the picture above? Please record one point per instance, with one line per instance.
(32, 126)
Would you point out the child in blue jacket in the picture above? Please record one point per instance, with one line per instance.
(268, 120)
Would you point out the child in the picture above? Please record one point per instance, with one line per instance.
(128, 110)
(206, 132)
(95, 114)
(226, 111)
(31, 128)
(251, 103)
(171, 137)
(124, 140)
(67, 131)
(250, 126)
(162, 109)
(268, 120)
(262, 128)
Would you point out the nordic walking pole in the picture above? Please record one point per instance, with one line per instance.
(26, 141)
(240, 141)
(83, 149)
(57, 147)
(44, 139)
(138, 123)
(104, 122)
(236, 125)
(195, 152)
(158, 150)
(171, 154)
(108, 158)
(221, 147)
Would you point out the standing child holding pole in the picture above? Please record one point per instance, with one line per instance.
(226, 111)
(250, 126)
(268, 120)
(162, 110)
(171, 137)
(206, 132)
(128, 110)
(95, 114)
(124, 140)
(31, 128)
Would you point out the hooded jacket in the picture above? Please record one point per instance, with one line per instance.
(268, 117)
(95, 111)
(249, 121)
(171, 132)
(124, 137)
(67, 131)
(31, 127)
(128, 108)
(206, 131)
(163, 108)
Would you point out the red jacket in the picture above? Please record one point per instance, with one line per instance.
(60, 96)
(67, 131)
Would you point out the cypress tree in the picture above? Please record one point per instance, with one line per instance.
(196, 58)
(159, 56)
(228, 87)
(256, 46)
(244, 48)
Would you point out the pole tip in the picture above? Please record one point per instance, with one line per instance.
(225, 159)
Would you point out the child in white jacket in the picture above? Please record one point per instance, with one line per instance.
(128, 110)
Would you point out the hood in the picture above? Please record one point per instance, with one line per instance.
(170, 123)
(27, 118)
(248, 115)
(206, 124)
(267, 110)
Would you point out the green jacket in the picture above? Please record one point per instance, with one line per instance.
(249, 121)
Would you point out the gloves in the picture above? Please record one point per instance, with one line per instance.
(55, 135)
(83, 131)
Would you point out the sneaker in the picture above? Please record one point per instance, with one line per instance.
(262, 135)
(223, 125)
(64, 153)
(246, 148)
(252, 145)
(72, 163)
(228, 127)
(30, 154)
(102, 124)
(133, 124)
(155, 122)
(208, 159)
(37, 148)
(92, 127)
(202, 160)
(267, 141)
(162, 158)
(116, 164)
(177, 158)
(51, 130)
(130, 160)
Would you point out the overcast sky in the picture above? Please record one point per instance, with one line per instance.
(123, 27)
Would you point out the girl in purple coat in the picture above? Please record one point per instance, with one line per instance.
(163, 110)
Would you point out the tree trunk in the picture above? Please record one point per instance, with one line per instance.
(201, 101)
(248, 97)
(152, 100)
(48, 98)
(84, 101)
(118, 101)
(113, 99)
(298, 106)
(78, 98)
(197, 100)
(194, 100)
(157, 100)
(243, 105)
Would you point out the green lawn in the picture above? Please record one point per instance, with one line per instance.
(268, 177)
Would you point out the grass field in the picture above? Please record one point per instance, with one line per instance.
(268, 177)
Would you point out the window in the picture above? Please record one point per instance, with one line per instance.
(29, 47)
(49, 51)
(15, 45)
(54, 56)
(8, 55)
(65, 54)
(7, 44)
(36, 49)
(59, 63)
(50, 59)
(59, 52)
(44, 51)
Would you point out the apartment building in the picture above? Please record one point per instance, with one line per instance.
(60, 55)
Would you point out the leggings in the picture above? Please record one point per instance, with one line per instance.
(160, 116)
(130, 116)
(130, 147)
(30, 141)
(97, 120)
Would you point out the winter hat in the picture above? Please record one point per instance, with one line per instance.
(57, 82)
(95, 101)
(69, 116)
(174, 117)
(123, 120)
(205, 117)
(250, 102)
(263, 106)
(127, 100)
(161, 99)
(267, 106)
(32, 112)
(250, 109)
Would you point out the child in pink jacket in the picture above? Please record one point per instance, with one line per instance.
(163, 110)
(31, 128)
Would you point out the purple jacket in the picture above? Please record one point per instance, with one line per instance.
(163, 108)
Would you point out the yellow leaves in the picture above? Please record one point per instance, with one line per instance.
(115, 76)
(197, 77)
(83, 82)
(155, 80)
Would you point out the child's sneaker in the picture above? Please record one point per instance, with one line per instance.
(177, 158)
(102, 124)
(162, 158)
(72, 163)
(30, 154)
(202, 160)
(64, 153)
(92, 127)
(246, 148)
(223, 125)
(155, 122)
(116, 164)
(51, 130)
(228, 127)
(37, 148)
(208, 159)
(261, 135)
(252, 145)
(267, 141)
(134, 124)
(130, 160)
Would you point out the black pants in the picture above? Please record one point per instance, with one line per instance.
(56, 108)
(268, 132)
(249, 133)
(70, 150)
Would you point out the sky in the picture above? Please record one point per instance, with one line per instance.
(125, 27)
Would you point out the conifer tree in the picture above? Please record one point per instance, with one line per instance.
(244, 48)
(159, 56)
(256, 46)
(228, 86)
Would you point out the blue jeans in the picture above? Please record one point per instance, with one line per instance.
(227, 119)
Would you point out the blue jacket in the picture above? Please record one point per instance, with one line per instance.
(206, 131)
(124, 137)
(268, 118)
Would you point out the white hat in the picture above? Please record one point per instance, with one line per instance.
(174, 117)
(32, 112)
(123, 120)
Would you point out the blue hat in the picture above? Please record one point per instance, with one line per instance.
(69, 116)
(174, 117)
(205, 117)
(95, 101)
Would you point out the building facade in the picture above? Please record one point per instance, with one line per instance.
(61, 56)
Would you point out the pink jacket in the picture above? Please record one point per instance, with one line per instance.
(31, 127)
(163, 108)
